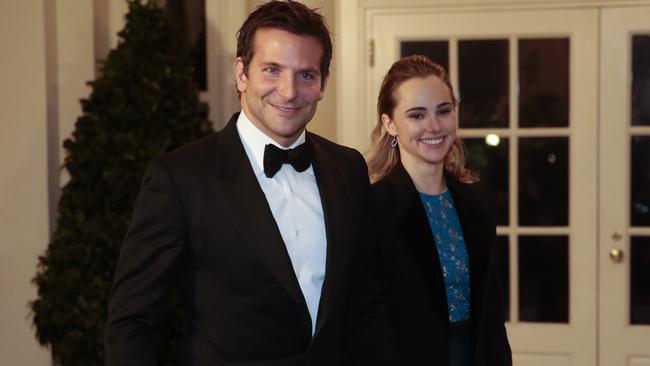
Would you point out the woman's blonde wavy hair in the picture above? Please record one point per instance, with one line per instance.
(382, 157)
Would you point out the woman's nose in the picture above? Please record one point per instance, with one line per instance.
(433, 124)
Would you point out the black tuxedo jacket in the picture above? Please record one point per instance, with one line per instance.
(418, 303)
(202, 223)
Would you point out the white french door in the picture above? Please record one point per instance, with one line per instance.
(555, 112)
(530, 79)
(624, 191)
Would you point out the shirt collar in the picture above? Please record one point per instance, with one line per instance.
(255, 140)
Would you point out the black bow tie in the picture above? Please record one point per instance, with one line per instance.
(299, 158)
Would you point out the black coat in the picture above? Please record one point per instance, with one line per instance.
(416, 289)
(202, 224)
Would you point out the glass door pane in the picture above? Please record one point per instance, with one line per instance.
(438, 51)
(640, 181)
(640, 80)
(483, 83)
(544, 82)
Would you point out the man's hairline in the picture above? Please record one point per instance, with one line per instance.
(271, 27)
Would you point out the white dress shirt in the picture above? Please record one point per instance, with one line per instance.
(296, 206)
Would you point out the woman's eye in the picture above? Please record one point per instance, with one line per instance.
(444, 112)
(416, 116)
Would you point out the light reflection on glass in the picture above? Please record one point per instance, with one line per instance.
(492, 140)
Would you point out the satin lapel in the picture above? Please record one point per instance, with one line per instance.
(333, 190)
(473, 223)
(232, 180)
(415, 232)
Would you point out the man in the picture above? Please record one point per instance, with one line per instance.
(256, 225)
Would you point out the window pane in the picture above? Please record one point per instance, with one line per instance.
(544, 82)
(544, 279)
(438, 51)
(640, 181)
(489, 157)
(483, 83)
(641, 80)
(640, 280)
(504, 268)
(543, 181)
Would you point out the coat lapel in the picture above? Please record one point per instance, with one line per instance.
(332, 187)
(416, 235)
(472, 222)
(234, 183)
(413, 227)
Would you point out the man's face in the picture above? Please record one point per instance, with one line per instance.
(282, 83)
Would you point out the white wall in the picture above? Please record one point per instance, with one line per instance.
(324, 122)
(23, 177)
(50, 55)
(70, 65)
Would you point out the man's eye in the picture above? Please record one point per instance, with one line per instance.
(271, 70)
(306, 76)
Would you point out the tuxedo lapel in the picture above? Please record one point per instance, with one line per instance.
(233, 182)
(332, 187)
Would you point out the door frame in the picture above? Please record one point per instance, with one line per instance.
(621, 344)
(353, 52)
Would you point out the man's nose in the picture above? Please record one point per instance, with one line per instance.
(287, 87)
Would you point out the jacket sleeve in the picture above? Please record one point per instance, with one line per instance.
(496, 346)
(147, 271)
(370, 337)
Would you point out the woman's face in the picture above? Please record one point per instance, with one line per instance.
(424, 121)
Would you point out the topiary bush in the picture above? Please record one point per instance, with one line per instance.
(144, 104)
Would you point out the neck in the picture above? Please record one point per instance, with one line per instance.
(427, 178)
(283, 141)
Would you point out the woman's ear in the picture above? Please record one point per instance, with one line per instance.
(389, 125)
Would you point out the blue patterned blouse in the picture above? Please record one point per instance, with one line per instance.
(452, 251)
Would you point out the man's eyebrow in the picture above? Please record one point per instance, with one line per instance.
(273, 64)
(279, 66)
(312, 70)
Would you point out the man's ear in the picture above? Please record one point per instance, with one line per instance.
(322, 88)
(240, 75)
(389, 125)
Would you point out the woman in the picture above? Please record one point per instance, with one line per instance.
(439, 244)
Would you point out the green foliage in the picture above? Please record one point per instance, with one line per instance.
(144, 104)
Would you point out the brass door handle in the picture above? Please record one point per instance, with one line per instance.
(616, 255)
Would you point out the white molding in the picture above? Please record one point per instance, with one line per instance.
(495, 4)
(24, 87)
(223, 19)
(108, 20)
(349, 50)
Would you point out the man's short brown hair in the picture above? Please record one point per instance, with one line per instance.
(292, 17)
